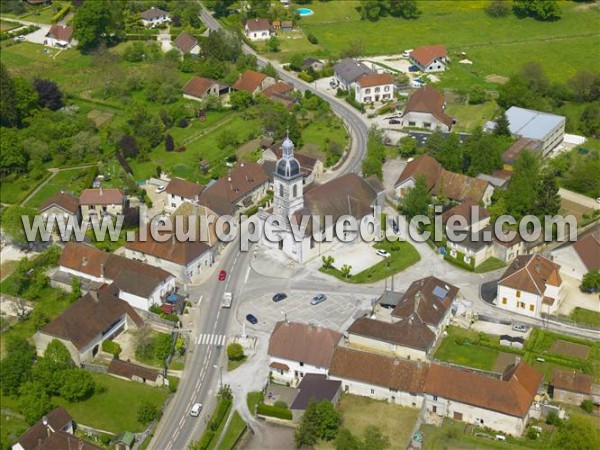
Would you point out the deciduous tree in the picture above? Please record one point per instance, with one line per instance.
(417, 199)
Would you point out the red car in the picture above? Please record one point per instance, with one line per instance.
(222, 275)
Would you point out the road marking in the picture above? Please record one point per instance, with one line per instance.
(211, 339)
(200, 300)
(247, 274)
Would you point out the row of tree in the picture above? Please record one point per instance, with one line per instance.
(374, 9)
(543, 10)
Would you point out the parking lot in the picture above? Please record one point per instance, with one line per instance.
(336, 312)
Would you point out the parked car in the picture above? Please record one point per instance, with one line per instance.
(20, 38)
(520, 327)
(383, 253)
(413, 69)
(395, 122)
(252, 319)
(279, 297)
(196, 408)
(222, 275)
(319, 298)
(160, 189)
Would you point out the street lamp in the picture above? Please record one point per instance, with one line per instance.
(220, 375)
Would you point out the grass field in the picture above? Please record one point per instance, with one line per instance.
(586, 316)
(496, 46)
(394, 421)
(253, 399)
(490, 264)
(68, 180)
(470, 116)
(467, 354)
(16, 188)
(235, 429)
(12, 424)
(114, 410)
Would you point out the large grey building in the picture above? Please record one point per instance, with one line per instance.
(544, 127)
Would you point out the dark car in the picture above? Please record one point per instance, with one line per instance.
(222, 275)
(413, 69)
(252, 319)
(395, 122)
(280, 296)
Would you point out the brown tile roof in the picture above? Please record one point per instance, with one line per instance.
(375, 79)
(185, 41)
(378, 370)
(411, 333)
(466, 210)
(101, 197)
(428, 100)
(153, 13)
(178, 252)
(258, 24)
(223, 195)
(198, 87)
(278, 365)
(424, 55)
(96, 263)
(531, 273)
(88, 317)
(510, 155)
(281, 87)
(60, 32)
(309, 344)
(128, 369)
(573, 381)
(184, 188)
(61, 440)
(588, 249)
(511, 395)
(429, 298)
(58, 419)
(249, 81)
(421, 165)
(63, 200)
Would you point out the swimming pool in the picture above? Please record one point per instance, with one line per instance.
(305, 12)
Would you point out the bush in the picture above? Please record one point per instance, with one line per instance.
(147, 412)
(281, 404)
(235, 352)
(305, 76)
(220, 413)
(111, 347)
(587, 406)
(274, 411)
(61, 13)
(312, 39)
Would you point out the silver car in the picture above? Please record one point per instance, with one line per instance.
(520, 327)
(320, 298)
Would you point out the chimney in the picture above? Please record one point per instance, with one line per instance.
(84, 261)
(101, 191)
(94, 296)
(396, 362)
(537, 267)
(102, 270)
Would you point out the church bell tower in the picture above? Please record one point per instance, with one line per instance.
(288, 182)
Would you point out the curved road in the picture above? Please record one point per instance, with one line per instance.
(200, 378)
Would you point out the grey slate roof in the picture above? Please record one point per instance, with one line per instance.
(349, 70)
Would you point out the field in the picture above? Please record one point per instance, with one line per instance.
(68, 180)
(114, 410)
(468, 354)
(470, 116)
(586, 316)
(496, 46)
(396, 422)
(235, 429)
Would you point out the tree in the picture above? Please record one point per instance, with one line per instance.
(169, 143)
(77, 385)
(147, 412)
(345, 440)
(407, 9)
(417, 199)
(12, 222)
(320, 421)
(435, 143)
(128, 146)
(502, 127)
(220, 7)
(240, 100)
(9, 115)
(535, 77)
(451, 155)
(273, 44)
(34, 402)
(49, 95)
(577, 433)
(408, 146)
(221, 46)
(523, 190)
(375, 157)
(590, 281)
(269, 70)
(587, 405)
(97, 22)
(372, 10)
(235, 352)
(498, 8)
(15, 368)
(548, 202)
(39, 318)
(327, 261)
(483, 153)
(374, 439)
(346, 269)
(586, 86)
(544, 10)
(590, 119)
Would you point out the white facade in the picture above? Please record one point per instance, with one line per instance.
(155, 298)
(296, 371)
(401, 351)
(372, 94)
(423, 120)
(183, 273)
(257, 35)
(163, 17)
(54, 42)
(394, 396)
(477, 416)
(527, 303)
(175, 201)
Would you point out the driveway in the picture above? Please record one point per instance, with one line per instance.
(37, 37)
(392, 169)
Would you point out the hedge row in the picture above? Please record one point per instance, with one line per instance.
(214, 424)
(18, 32)
(274, 411)
(61, 13)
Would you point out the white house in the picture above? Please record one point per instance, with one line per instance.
(296, 349)
(348, 70)
(96, 203)
(258, 29)
(433, 58)
(578, 258)
(59, 36)
(180, 191)
(154, 16)
(531, 285)
(378, 87)
(425, 109)
(62, 209)
(378, 376)
(500, 404)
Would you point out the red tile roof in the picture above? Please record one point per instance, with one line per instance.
(101, 197)
(63, 200)
(309, 344)
(588, 249)
(258, 24)
(425, 55)
(466, 210)
(428, 100)
(153, 13)
(422, 165)
(185, 42)
(198, 86)
(376, 79)
(249, 81)
(184, 188)
(60, 32)
(178, 252)
(570, 380)
(531, 273)
(512, 395)
(410, 333)
(281, 87)
(128, 369)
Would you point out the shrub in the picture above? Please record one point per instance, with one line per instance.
(220, 413)
(281, 404)
(147, 412)
(312, 39)
(305, 76)
(552, 418)
(588, 406)
(274, 411)
(235, 352)
(61, 13)
(111, 347)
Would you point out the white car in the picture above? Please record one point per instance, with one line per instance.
(196, 408)
(160, 189)
(20, 38)
(520, 327)
(383, 253)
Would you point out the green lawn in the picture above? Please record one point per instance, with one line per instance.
(68, 180)
(253, 399)
(15, 188)
(232, 365)
(403, 255)
(114, 410)
(468, 354)
(394, 421)
(233, 433)
(496, 46)
(586, 316)
(490, 264)
(12, 424)
(470, 116)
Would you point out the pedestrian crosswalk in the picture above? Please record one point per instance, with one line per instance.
(212, 339)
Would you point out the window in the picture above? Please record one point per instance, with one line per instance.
(393, 390)
(426, 124)
(435, 398)
(281, 190)
(386, 89)
(521, 305)
(518, 294)
(367, 91)
(531, 308)
(411, 124)
(504, 300)
(295, 190)
(301, 364)
(372, 391)
(377, 89)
